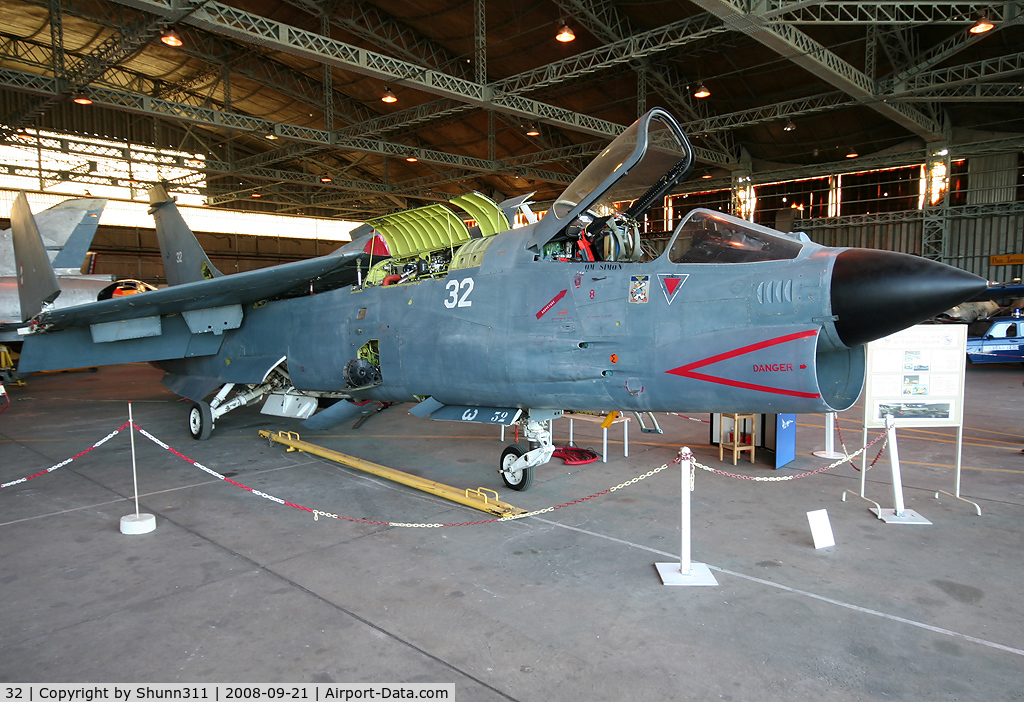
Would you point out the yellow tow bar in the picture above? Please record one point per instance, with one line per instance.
(479, 498)
(7, 367)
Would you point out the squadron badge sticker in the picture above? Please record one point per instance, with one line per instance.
(639, 286)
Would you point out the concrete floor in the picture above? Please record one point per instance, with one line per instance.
(564, 606)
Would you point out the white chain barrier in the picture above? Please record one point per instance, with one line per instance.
(317, 513)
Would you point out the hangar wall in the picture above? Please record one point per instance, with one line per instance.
(132, 252)
(975, 232)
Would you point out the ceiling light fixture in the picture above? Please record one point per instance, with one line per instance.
(171, 38)
(701, 92)
(532, 131)
(789, 126)
(325, 179)
(984, 24)
(388, 96)
(852, 153)
(707, 176)
(411, 159)
(82, 100)
(565, 35)
(257, 195)
(272, 136)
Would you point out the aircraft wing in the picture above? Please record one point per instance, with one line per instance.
(334, 269)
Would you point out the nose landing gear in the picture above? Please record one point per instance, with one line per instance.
(518, 464)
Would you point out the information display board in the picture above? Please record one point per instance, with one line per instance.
(917, 376)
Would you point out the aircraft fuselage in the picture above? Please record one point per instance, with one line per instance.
(520, 332)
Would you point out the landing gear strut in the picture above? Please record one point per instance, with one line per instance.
(204, 415)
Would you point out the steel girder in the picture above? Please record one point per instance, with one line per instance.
(110, 52)
(802, 50)
(620, 52)
(604, 20)
(976, 72)
(776, 112)
(369, 23)
(950, 47)
(971, 92)
(261, 31)
(902, 13)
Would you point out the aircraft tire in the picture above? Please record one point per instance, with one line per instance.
(520, 479)
(200, 421)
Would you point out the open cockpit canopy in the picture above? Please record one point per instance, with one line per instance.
(640, 166)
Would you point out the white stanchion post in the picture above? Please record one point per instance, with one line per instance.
(830, 441)
(685, 572)
(894, 459)
(899, 514)
(135, 472)
(136, 523)
(686, 521)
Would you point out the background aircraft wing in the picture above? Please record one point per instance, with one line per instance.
(82, 217)
(67, 231)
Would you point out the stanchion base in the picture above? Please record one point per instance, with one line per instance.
(962, 499)
(671, 574)
(132, 524)
(909, 516)
(834, 456)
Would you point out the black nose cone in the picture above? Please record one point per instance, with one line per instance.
(876, 293)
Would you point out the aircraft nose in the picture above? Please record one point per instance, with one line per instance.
(876, 293)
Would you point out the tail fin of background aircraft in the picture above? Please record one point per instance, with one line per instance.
(67, 231)
(184, 259)
(82, 217)
(37, 284)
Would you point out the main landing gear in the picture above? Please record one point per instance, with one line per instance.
(200, 421)
(517, 463)
(203, 415)
(277, 384)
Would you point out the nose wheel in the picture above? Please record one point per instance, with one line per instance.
(518, 479)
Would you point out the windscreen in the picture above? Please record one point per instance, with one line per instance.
(712, 237)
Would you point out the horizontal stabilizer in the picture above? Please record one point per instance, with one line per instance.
(333, 416)
(423, 409)
(37, 284)
(480, 415)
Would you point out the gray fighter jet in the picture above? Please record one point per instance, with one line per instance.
(487, 323)
(65, 232)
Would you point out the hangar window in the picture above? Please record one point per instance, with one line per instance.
(91, 167)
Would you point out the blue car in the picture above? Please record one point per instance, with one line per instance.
(1001, 342)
